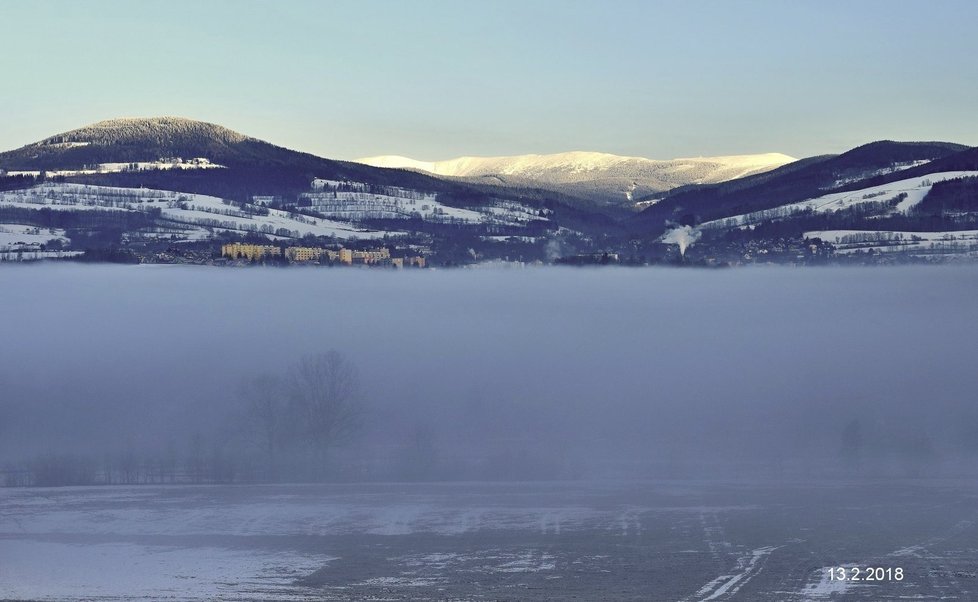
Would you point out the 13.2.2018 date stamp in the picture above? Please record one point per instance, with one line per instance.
(867, 573)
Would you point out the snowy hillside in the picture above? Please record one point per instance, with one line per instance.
(16, 236)
(108, 168)
(19, 242)
(337, 208)
(192, 216)
(613, 177)
(958, 242)
(894, 197)
(358, 201)
(126, 141)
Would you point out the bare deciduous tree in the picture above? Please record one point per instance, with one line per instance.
(326, 399)
(265, 409)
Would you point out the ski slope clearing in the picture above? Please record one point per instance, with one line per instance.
(194, 211)
(893, 168)
(903, 195)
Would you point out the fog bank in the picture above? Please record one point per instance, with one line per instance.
(537, 373)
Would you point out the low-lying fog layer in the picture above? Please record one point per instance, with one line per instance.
(143, 374)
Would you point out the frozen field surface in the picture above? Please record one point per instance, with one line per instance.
(661, 540)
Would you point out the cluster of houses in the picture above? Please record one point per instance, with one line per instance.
(374, 257)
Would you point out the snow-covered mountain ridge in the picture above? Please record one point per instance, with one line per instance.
(616, 179)
(585, 165)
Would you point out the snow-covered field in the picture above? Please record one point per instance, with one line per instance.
(358, 205)
(668, 540)
(14, 236)
(197, 216)
(21, 242)
(886, 241)
(42, 570)
(103, 168)
(194, 211)
(355, 201)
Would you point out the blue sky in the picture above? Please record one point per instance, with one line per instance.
(438, 79)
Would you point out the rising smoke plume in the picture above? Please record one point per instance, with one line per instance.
(684, 236)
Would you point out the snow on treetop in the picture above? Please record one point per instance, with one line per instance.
(140, 128)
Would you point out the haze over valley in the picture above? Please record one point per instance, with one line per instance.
(511, 426)
(492, 301)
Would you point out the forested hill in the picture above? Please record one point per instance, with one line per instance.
(870, 164)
